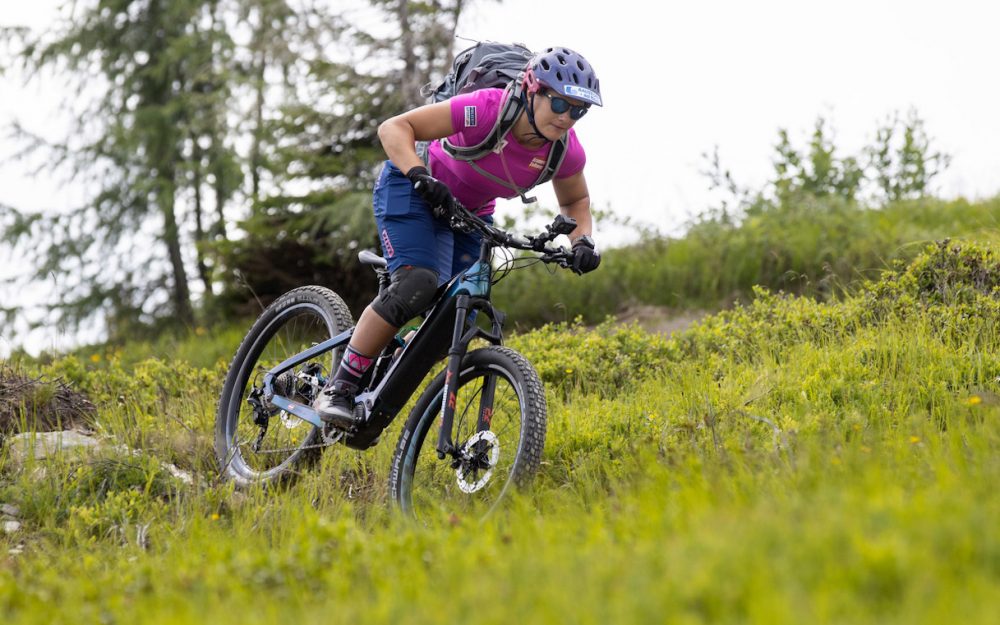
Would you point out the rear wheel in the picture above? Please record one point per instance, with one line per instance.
(264, 443)
(499, 432)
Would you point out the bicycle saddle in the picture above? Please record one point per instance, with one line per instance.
(368, 257)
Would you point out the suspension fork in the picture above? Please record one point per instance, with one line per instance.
(486, 403)
(461, 337)
(449, 392)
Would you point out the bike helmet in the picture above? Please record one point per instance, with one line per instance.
(565, 72)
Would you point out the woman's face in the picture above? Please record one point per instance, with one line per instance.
(551, 124)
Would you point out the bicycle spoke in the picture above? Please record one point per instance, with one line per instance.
(478, 481)
(296, 322)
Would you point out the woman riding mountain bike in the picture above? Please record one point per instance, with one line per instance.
(412, 196)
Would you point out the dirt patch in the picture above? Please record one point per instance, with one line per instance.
(40, 405)
(660, 319)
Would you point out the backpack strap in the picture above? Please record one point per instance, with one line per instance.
(555, 160)
(496, 140)
(557, 153)
(509, 113)
(423, 149)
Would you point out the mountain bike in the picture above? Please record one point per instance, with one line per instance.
(476, 430)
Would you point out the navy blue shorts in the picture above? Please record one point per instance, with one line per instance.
(409, 233)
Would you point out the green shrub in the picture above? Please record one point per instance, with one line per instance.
(818, 247)
(607, 360)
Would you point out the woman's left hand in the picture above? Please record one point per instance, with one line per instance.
(585, 257)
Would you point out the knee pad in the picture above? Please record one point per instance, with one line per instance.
(410, 293)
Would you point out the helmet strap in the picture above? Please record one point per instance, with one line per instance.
(529, 108)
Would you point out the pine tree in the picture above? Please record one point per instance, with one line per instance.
(320, 153)
(144, 106)
(230, 146)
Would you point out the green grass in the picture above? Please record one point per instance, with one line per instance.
(201, 347)
(788, 461)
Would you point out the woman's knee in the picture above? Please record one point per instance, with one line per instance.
(411, 293)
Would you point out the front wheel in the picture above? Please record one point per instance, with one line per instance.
(498, 431)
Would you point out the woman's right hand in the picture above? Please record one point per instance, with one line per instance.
(436, 193)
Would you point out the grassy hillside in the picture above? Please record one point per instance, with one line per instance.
(786, 461)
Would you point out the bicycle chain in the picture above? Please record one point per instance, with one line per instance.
(328, 440)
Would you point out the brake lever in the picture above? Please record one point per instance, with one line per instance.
(517, 240)
(458, 224)
(561, 257)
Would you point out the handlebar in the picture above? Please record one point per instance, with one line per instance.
(461, 218)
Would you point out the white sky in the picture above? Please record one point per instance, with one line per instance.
(679, 78)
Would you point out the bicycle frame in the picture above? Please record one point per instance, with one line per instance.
(447, 323)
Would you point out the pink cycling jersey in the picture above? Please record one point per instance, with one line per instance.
(473, 116)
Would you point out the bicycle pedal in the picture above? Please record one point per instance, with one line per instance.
(336, 432)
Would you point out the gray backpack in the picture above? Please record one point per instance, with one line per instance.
(489, 64)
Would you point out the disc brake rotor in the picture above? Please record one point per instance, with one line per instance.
(482, 446)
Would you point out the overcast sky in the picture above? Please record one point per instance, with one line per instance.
(679, 78)
(687, 76)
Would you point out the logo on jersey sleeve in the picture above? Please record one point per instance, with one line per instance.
(470, 117)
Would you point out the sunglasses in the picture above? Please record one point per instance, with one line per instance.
(561, 105)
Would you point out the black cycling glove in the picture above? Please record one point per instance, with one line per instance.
(436, 193)
(585, 257)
